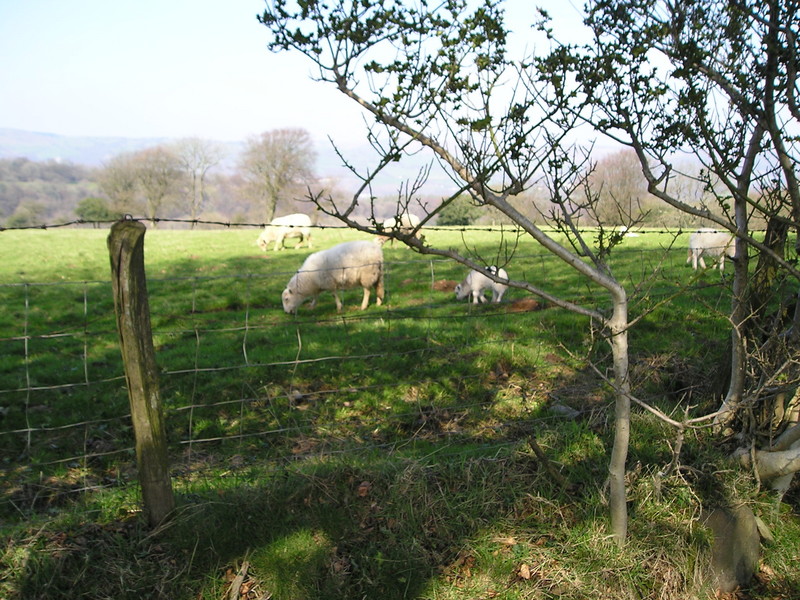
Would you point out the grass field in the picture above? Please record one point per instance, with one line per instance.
(388, 453)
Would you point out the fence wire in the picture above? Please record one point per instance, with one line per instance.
(504, 227)
(63, 401)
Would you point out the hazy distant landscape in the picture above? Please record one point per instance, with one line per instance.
(66, 171)
(95, 151)
(89, 151)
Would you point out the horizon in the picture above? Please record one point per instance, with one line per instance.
(92, 151)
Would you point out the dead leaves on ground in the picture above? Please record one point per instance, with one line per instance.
(240, 584)
(533, 569)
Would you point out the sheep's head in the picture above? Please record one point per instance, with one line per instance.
(461, 291)
(291, 300)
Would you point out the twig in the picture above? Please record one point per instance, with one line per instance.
(236, 585)
(546, 463)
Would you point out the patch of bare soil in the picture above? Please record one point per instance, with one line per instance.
(445, 285)
(525, 305)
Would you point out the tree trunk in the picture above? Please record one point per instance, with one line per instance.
(622, 419)
(758, 333)
(739, 312)
(762, 283)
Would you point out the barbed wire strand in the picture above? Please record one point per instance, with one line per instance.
(506, 228)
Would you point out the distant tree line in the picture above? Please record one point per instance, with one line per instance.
(273, 175)
(31, 193)
(184, 179)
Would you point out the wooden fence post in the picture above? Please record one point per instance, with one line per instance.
(126, 248)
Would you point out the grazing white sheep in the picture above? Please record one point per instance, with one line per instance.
(345, 266)
(476, 282)
(712, 243)
(281, 228)
(404, 223)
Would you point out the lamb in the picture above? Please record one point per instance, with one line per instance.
(344, 266)
(281, 228)
(712, 243)
(476, 282)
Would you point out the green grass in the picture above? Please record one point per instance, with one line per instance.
(393, 459)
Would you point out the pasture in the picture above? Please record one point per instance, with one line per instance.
(393, 453)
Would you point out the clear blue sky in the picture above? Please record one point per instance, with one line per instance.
(152, 68)
(164, 68)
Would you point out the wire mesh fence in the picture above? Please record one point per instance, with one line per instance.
(241, 378)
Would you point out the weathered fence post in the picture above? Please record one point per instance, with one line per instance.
(126, 247)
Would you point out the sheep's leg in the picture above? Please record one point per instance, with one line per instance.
(702, 262)
(365, 300)
(338, 301)
(379, 291)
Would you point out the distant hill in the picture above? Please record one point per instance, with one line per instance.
(89, 151)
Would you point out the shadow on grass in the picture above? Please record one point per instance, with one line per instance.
(387, 527)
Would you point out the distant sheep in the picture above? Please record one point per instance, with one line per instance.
(476, 282)
(626, 231)
(711, 243)
(281, 228)
(345, 266)
(404, 223)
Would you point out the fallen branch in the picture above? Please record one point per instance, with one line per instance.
(236, 584)
(547, 463)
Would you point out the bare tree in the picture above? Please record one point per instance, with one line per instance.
(157, 175)
(117, 179)
(440, 81)
(621, 189)
(276, 164)
(196, 158)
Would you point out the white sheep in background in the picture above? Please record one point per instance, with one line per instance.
(476, 282)
(281, 228)
(712, 243)
(344, 266)
(404, 223)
